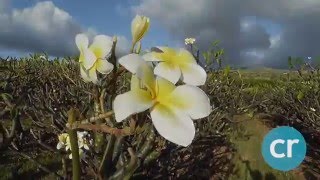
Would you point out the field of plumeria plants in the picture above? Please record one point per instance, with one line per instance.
(162, 113)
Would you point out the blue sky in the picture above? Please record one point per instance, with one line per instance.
(110, 17)
(113, 17)
(275, 32)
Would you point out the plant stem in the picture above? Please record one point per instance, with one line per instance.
(132, 47)
(105, 166)
(99, 117)
(74, 146)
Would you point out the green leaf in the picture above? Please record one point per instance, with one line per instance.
(300, 95)
(226, 70)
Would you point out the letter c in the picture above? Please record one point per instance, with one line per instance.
(272, 148)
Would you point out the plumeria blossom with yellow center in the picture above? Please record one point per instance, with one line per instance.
(64, 141)
(83, 143)
(177, 64)
(172, 108)
(139, 27)
(188, 41)
(93, 58)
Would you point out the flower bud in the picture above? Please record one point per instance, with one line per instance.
(139, 27)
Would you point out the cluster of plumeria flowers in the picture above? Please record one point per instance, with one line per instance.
(84, 142)
(172, 108)
(188, 41)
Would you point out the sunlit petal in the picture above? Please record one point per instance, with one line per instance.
(104, 67)
(85, 146)
(60, 145)
(130, 103)
(88, 59)
(192, 100)
(82, 41)
(145, 73)
(167, 50)
(168, 71)
(184, 56)
(93, 75)
(164, 88)
(63, 137)
(139, 27)
(131, 62)
(173, 125)
(135, 83)
(151, 57)
(101, 46)
(84, 74)
(193, 74)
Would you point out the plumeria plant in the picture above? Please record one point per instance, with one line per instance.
(212, 55)
(164, 98)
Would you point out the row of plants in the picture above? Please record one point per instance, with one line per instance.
(79, 109)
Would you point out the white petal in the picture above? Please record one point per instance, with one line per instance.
(135, 83)
(60, 145)
(80, 134)
(84, 74)
(93, 75)
(104, 67)
(168, 71)
(101, 46)
(173, 125)
(193, 74)
(149, 57)
(185, 56)
(70, 156)
(130, 103)
(81, 154)
(145, 73)
(131, 62)
(164, 88)
(88, 59)
(82, 41)
(191, 100)
(85, 146)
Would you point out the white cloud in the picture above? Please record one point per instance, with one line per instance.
(210, 20)
(41, 28)
(4, 5)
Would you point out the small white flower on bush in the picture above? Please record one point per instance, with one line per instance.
(313, 109)
(83, 142)
(171, 108)
(93, 58)
(188, 41)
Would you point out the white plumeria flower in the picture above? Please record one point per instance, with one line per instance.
(93, 58)
(63, 139)
(171, 108)
(313, 109)
(81, 154)
(177, 64)
(82, 141)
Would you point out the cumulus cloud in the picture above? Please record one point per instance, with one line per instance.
(41, 28)
(210, 20)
